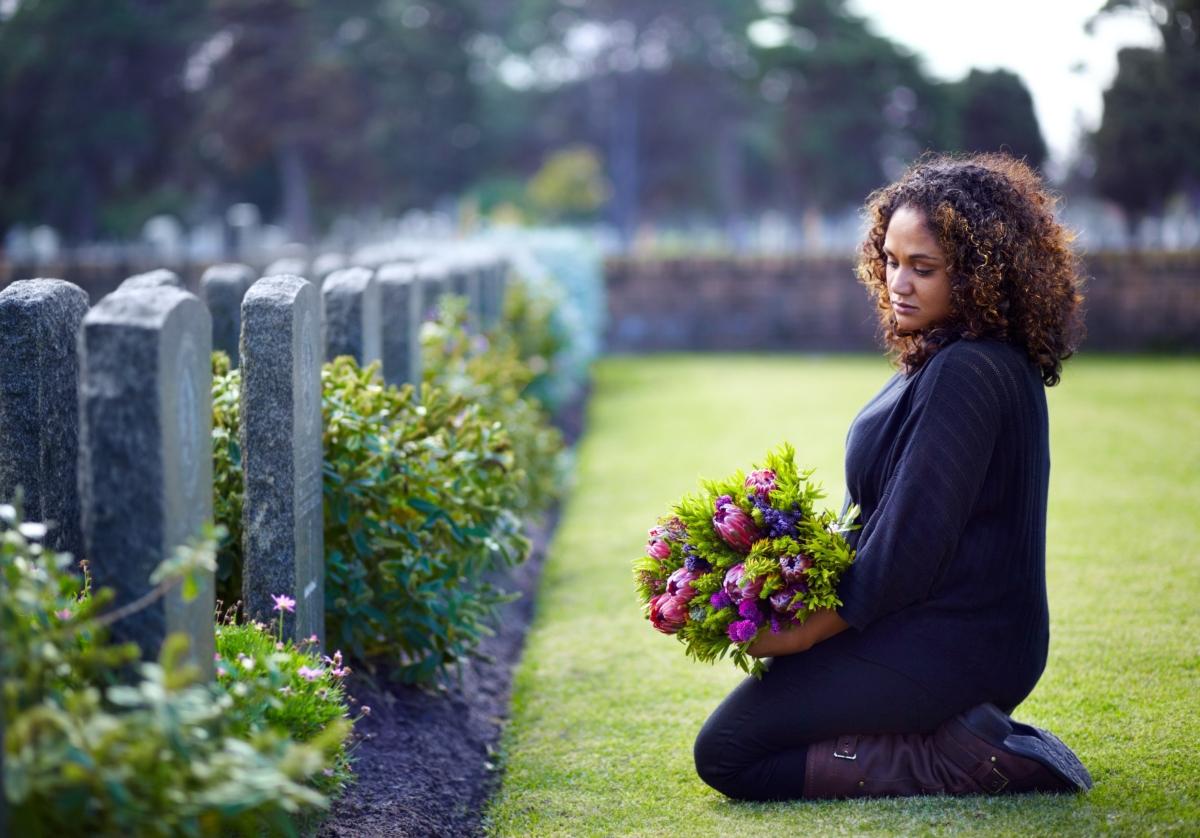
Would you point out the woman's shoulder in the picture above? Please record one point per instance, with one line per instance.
(992, 370)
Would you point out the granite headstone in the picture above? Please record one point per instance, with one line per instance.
(352, 315)
(39, 404)
(399, 292)
(282, 526)
(146, 456)
(222, 288)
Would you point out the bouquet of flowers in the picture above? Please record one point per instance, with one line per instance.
(748, 554)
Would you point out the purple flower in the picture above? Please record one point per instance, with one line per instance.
(680, 582)
(738, 587)
(283, 602)
(720, 600)
(64, 614)
(742, 630)
(748, 609)
(734, 525)
(781, 601)
(761, 481)
(308, 673)
(794, 568)
(778, 522)
(697, 565)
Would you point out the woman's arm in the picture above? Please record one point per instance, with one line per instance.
(821, 625)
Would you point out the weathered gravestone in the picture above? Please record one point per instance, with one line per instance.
(400, 297)
(325, 264)
(146, 456)
(352, 323)
(222, 288)
(159, 278)
(434, 278)
(283, 540)
(39, 404)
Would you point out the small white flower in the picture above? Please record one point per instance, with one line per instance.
(32, 530)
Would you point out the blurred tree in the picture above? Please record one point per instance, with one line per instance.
(92, 109)
(1147, 148)
(570, 185)
(993, 110)
(854, 107)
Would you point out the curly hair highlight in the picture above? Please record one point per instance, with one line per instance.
(1013, 273)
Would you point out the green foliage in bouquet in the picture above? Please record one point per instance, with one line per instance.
(421, 497)
(492, 373)
(749, 554)
(162, 755)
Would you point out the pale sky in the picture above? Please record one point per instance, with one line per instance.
(1042, 41)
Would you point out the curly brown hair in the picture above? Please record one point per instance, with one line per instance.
(1013, 273)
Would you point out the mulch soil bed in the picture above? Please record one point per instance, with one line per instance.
(427, 760)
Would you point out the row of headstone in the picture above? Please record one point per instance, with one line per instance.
(105, 421)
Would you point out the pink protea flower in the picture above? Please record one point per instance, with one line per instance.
(737, 587)
(658, 548)
(680, 582)
(668, 613)
(794, 568)
(761, 481)
(734, 526)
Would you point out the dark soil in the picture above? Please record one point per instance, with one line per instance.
(427, 761)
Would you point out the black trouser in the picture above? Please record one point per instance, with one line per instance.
(753, 746)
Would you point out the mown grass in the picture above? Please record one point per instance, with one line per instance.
(605, 710)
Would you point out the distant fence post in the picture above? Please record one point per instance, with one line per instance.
(352, 315)
(282, 525)
(222, 287)
(400, 296)
(39, 404)
(146, 456)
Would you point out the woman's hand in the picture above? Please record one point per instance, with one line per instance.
(820, 625)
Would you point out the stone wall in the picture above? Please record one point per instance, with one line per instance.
(1135, 301)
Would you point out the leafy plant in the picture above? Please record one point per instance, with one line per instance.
(164, 755)
(421, 497)
(490, 372)
(282, 685)
(227, 476)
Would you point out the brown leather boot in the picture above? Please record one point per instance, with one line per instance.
(981, 751)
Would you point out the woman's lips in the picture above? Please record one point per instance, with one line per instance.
(903, 308)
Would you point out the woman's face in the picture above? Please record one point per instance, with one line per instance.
(917, 282)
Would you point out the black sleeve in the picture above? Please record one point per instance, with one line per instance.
(947, 442)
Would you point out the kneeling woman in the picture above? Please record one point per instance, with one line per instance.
(944, 627)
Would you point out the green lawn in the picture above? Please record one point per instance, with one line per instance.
(605, 709)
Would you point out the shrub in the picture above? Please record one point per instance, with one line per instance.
(489, 372)
(162, 756)
(420, 499)
(227, 476)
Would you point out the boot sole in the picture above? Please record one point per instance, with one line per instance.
(990, 724)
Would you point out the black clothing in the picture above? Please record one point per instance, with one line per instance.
(753, 746)
(951, 466)
(946, 597)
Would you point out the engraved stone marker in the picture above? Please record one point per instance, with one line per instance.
(222, 287)
(282, 526)
(352, 315)
(39, 404)
(400, 298)
(146, 455)
(434, 284)
(160, 278)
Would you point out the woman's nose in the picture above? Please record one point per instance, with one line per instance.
(900, 282)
